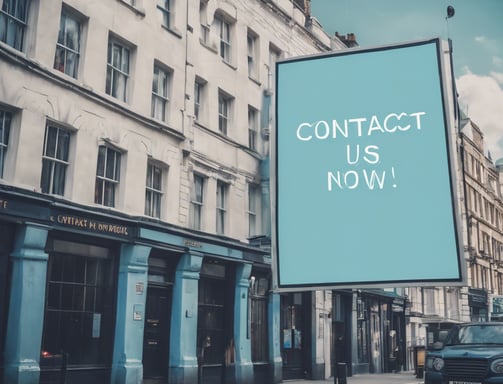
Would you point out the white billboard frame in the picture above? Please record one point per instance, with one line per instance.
(451, 121)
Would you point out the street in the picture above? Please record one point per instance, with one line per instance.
(378, 378)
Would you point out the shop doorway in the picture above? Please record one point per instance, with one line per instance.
(156, 336)
(215, 343)
(295, 338)
(158, 308)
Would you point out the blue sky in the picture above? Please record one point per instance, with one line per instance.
(476, 31)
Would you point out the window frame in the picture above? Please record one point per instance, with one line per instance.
(5, 133)
(224, 112)
(199, 98)
(67, 14)
(253, 128)
(104, 197)
(197, 200)
(19, 21)
(225, 38)
(252, 44)
(222, 193)
(253, 204)
(153, 205)
(120, 71)
(55, 165)
(166, 12)
(161, 99)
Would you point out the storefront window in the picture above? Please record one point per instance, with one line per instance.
(79, 313)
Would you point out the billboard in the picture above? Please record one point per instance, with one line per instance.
(365, 189)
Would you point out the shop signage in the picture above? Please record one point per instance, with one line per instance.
(364, 166)
(89, 224)
(59, 218)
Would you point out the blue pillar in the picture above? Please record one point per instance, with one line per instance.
(275, 359)
(243, 362)
(183, 365)
(127, 365)
(26, 306)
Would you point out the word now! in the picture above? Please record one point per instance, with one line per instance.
(352, 179)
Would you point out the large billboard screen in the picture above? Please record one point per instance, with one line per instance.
(363, 167)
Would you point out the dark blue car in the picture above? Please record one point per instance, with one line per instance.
(472, 353)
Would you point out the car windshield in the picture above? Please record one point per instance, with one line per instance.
(476, 334)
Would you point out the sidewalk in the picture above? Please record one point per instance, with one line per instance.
(407, 377)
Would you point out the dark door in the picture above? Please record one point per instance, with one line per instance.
(156, 337)
(295, 335)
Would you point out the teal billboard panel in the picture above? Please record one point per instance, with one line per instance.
(365, 190)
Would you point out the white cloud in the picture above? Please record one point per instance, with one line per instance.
(481, 97)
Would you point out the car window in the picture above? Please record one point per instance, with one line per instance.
(477, 334)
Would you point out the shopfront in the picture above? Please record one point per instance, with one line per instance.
(375, 334)
(478, 302)
(92, 297)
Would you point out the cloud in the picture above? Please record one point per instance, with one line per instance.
(481, 98)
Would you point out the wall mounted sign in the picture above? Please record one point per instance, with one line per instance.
(364, 169)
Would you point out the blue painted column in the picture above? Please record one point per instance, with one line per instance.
(26, 306)
(274, 338)
(243, 362)
(183, 365)
(127, 365)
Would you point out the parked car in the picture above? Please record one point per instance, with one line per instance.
(472, 353)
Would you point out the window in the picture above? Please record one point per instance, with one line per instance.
(224, 111)
(80, 306)
(224, 30)
(166, 9)
(117, 70)
(252, 128)
(196, 202)
(221, 206)
(253, 195)
(67, 55)
(13, 18)
(55, 160)
(199, 89)
(205, 29)
(252, 42)
(160, 92)
(429, 301)
(5, 119)
(153, 192)
(107, 176)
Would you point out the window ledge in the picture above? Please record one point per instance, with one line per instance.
(255, 80)
(172, 31)
(213, 48)
(140, 11)
(230, 65)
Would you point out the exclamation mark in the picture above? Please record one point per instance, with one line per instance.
(393, 175)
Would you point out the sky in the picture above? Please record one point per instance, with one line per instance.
(476, 31)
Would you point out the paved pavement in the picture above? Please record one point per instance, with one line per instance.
(376, 378)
